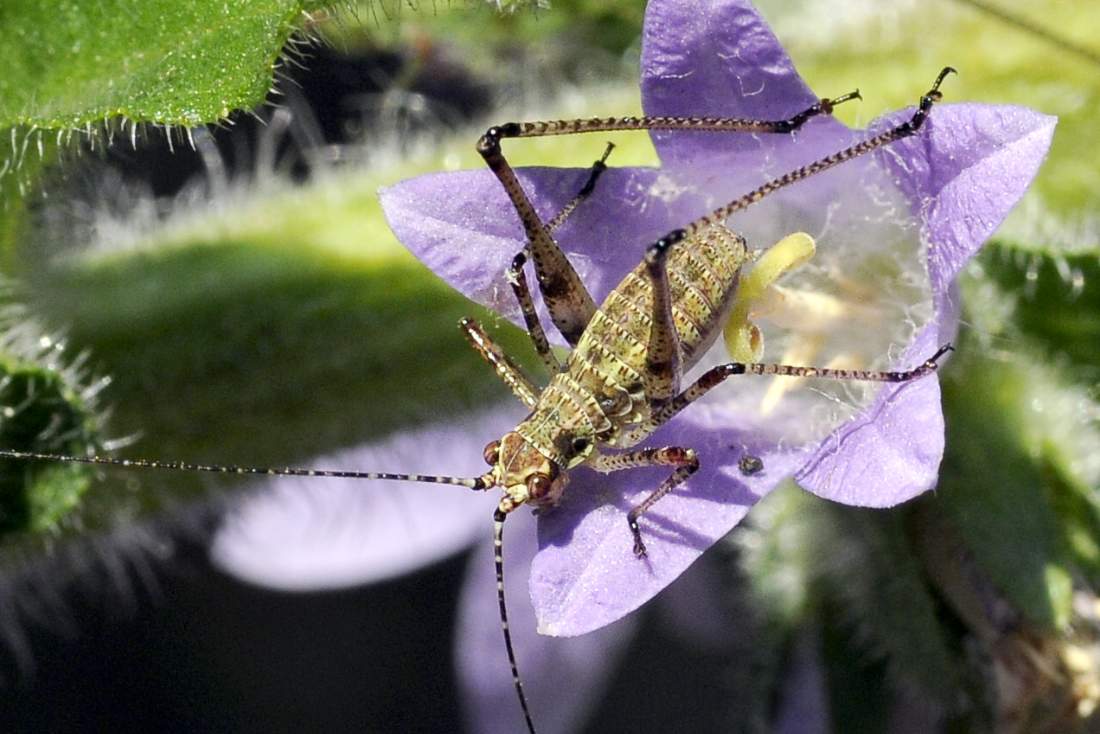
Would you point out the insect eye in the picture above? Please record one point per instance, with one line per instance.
(492, 453)
(538, 485)
(580, 445)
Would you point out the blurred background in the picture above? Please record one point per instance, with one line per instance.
(232, 294)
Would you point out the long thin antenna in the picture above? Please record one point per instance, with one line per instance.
(498, 557)
(482, 482)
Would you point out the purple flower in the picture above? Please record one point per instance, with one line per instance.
(893, 230)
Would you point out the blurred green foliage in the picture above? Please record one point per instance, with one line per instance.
(43, 411)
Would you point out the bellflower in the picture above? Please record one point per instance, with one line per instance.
(893, 231)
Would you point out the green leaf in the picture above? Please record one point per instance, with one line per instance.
(859, 693)
(867, 563)
(269, 325)
(72, 64)
(1043, 306)
(809, 559)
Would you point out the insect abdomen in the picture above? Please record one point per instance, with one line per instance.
(702, 273)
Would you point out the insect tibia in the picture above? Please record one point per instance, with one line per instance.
(483, 482)
(785, 370)
(903, 130)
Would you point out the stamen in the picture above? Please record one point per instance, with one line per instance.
(799, 309)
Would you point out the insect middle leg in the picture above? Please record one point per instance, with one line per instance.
(662, 383)
(685, 461)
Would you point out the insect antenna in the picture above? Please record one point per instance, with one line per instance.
(482, 482)
(498, 559)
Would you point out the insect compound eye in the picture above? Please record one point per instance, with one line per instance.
(538, 485)
(492, 453)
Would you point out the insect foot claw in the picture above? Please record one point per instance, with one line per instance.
(935, 358)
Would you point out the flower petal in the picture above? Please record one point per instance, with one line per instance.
(305, 534)
(892, 451)
(716, 58)
(965, 172)
(584, 664)
(585, 574)
(962, 175)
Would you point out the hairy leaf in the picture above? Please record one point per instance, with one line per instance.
(68, 65)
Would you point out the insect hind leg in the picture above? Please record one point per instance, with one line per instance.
(717, 375)
(517, 279)
(571, 306)
(662, 361)
(569, 302)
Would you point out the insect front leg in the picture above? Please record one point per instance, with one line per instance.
(507, 370)
(685, 461)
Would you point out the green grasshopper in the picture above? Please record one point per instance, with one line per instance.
(622, 379)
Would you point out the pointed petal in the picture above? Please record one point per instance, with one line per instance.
(962, 176)
(716, 58)
(965, 173)
(892, 451)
